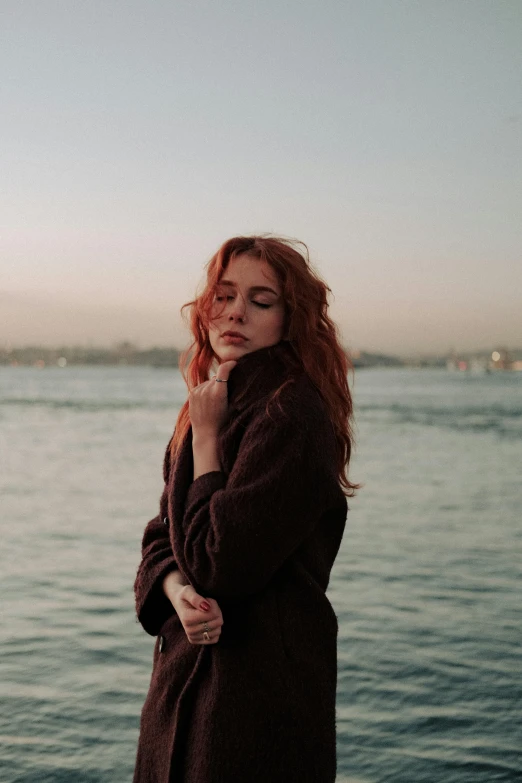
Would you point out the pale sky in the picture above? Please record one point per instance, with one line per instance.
(137, 136)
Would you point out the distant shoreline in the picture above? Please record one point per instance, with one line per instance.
(127, 354)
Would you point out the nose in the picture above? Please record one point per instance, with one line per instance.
(237, 310)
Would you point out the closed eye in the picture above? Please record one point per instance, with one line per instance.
(221, 298)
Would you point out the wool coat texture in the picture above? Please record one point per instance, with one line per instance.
(259, 536)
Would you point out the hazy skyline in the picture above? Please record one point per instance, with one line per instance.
(386, 135)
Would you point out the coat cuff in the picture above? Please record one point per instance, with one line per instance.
(153, 607)
(202, 489)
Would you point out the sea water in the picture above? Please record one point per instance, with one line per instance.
(426, 586)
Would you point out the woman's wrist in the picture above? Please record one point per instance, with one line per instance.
(205, 452)
(172, 584)
(204, 437)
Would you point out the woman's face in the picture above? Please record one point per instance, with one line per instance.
(249, 311)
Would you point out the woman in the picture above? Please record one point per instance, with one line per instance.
(236, 564)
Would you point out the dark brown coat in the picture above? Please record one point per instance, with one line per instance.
(260, 537)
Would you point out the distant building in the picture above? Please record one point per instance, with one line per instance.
(501, 360)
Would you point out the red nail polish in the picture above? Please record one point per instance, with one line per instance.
(203, 605)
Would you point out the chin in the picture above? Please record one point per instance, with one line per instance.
(231, 352)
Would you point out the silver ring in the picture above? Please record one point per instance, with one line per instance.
(222, 380)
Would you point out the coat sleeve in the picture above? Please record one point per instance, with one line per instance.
(157, 559)
(236, 532)
(152, 605)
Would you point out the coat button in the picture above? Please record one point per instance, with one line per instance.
(166, 521)
(161, 643)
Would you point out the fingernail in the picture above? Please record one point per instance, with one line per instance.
(203, 605)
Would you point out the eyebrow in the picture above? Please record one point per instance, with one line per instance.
(254, 288)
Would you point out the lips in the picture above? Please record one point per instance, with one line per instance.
(234, 334)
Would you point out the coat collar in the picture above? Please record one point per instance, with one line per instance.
(260, 372)
(255, 376)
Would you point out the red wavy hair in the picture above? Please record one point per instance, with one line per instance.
(308, 327)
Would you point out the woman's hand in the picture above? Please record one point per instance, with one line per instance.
(197, 614)
(208, 403)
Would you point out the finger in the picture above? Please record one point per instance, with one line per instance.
(224, 370)
(210, 640)
(214, 607)
(193, 619)
(215, 625)
(198, 615)
(211, 633)
(201, 638)
(195, 600)
(209, 637)
(197, 625)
